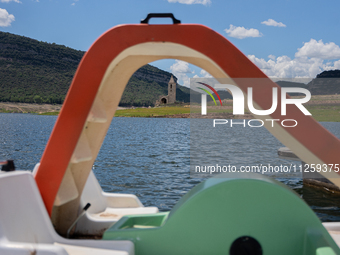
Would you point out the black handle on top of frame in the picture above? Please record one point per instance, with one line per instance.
(160, 15)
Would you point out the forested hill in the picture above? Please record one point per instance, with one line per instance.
(39, 72)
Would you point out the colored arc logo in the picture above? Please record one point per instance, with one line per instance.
(208, 92)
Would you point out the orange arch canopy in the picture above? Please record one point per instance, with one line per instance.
(310, 136)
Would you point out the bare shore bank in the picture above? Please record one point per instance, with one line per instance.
(8, 107)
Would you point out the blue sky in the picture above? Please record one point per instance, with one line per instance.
(284, 38)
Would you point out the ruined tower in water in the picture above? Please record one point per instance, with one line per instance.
(171, 97)
(171, 91)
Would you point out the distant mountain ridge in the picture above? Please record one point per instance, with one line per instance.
(325, 83)
(329, 74)
(40, 72)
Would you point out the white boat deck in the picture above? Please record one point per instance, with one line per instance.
(25, 227)
(333, 229)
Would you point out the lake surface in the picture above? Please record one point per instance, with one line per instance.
(150, 157)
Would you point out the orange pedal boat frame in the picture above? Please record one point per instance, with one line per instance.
(97, 88)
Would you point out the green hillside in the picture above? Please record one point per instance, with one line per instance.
(39, 72)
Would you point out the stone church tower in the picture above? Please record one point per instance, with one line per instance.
(171, 97)
(172, 91)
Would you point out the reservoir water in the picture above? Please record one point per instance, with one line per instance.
(150, 157)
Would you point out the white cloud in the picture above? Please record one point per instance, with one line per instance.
(310, 60)
(301, 67)
(181, 67)
(336, 65)
(241, 32)
(305, 64)
(5, 18)
(7, 1)
(271, 22)
(181, 70)
(318, 49)
(283, 67)
(204, 2)
(205, 74)
(272, 57)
